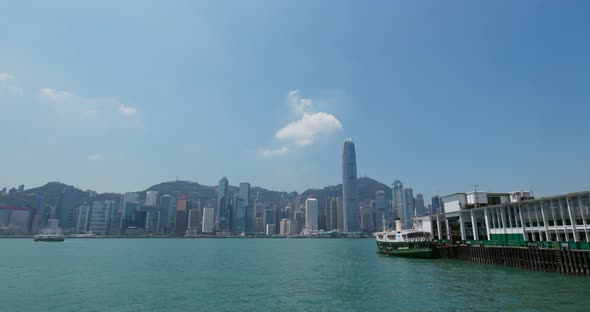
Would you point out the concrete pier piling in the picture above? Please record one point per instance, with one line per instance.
(563, 261)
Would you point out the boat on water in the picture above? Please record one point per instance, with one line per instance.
(410, 243)
(50, 234)
(48, 238)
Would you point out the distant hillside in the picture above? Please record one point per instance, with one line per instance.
(52, 191)
(195, 191)
(208, 194)
(367, 188)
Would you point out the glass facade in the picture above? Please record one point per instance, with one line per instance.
(349, 188)
(222, 212)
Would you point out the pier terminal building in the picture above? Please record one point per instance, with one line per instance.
(512, 219)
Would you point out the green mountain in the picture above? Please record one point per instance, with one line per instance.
(367, 188)
(195, 191)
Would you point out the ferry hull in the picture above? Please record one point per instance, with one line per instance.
(408, 250)
(48, 239)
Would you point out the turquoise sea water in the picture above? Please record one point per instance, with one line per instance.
(263, 275)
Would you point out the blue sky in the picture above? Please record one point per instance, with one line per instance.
(119, 95)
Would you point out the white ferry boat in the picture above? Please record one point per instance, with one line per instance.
(405, 243)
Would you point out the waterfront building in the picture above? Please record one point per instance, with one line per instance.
(65, 207)
(561, 218)
(195, 218)
(311, 214)
(15, 220)
(408, 208)
(349, 188)
(397, 200)
(270, 229)
(299, 221)
(151, 198)
(259, 225)
(366, 219)
(242, 211)
(208, 220)
(21, 188)
(100, 217)
(40, 213)
(268, 217)
(284, 230)
(152, 221)
(128, 198)
(167, 209)
(128, 215)
(292, 227)
(128, 206)
(222, 212)
(277, 217)
(419, 205)
(83, 219)
(331, 213)
(380, 210)
(340, 214)
(181, 215)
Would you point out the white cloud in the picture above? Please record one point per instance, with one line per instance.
(296, 100)
(8, 88)
(127, 110)
(306, 129)
(5, 77)
(70, 103)
(54, 94)
(266, 153)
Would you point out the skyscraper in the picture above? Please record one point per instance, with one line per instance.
(408, 208)
(208, 220)
(100, 218)
(366, 219)
(242, 213)
(152, 219)
(380, 209)
(83, 219)
(419, 205)
(181, 215)
(397, 200)
(167, 209)
(129, 205)
(311, 214)
(437, 206)
(339, 214)
(222, 212)
(331, 213)
(349, 188)
(268, 217)
(65, 207)
(151, 198)
(195, 219)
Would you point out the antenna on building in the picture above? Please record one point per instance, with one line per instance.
(475, 186)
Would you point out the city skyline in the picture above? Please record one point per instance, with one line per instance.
(117, 103)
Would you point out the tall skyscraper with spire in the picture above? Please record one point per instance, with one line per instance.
(349, 188)
(222, 212)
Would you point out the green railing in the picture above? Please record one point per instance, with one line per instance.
(514, 243)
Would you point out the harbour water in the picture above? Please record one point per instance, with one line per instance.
(263, 275)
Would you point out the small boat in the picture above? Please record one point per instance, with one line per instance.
(409, 243)
(48, 238)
